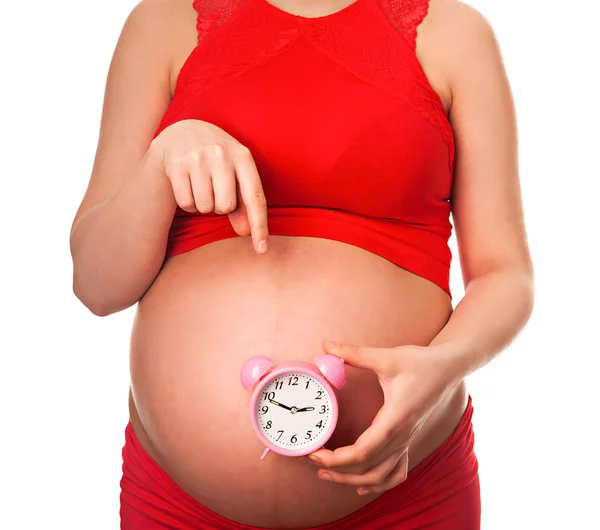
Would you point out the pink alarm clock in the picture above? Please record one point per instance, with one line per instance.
(293, 408)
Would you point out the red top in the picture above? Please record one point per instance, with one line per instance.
(350, 140)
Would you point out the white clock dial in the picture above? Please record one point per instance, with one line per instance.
(294, 411)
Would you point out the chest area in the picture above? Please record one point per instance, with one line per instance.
(329, 122)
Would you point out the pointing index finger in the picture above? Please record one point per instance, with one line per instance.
(254, 199)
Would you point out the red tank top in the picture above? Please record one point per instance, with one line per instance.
(350, 140)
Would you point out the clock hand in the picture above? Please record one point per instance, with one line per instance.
(306, 409)
(280, 404)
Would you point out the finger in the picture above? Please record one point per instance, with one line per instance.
(397, 476)
(178, 173)
(201, 184)
(253, 197)
(239, 217)
(379, 434)
(223, 181)
(372, 477)
(365, 357)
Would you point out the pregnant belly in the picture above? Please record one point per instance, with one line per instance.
(210, 309)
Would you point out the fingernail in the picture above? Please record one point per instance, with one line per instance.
(314, 458)
(331, 345)
(362, 491)
(262, 246)
(325, 476)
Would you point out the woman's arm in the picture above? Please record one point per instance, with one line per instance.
(495, 258)
(486, 200)
(119, 233)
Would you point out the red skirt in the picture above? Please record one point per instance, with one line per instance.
(442, 492)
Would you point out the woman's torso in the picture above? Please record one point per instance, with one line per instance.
(213, 307)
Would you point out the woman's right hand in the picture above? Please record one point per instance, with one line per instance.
(210, 171)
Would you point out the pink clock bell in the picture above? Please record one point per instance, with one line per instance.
(293, 408)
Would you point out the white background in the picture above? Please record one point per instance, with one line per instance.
(64, 372)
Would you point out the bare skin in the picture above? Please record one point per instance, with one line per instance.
(207, 310)
(275, 305)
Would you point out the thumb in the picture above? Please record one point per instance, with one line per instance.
(358, 356)
(239, 222)
(239, 218)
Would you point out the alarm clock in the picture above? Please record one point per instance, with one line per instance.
(293, 407)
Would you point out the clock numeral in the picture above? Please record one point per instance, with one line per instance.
(323, 409)
(320, 424)
(293, 439)
(280, 433)
(295, 383)
(270, 395)
(265, 409)
(269, 425)
(319, 394)
(279, 385)
(307, 383)
(308, 435)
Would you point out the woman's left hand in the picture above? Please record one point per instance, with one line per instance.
(414, 380)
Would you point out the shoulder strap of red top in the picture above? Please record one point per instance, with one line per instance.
(212, 13)
(405, 15)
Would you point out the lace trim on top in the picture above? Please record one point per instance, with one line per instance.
(406, 16)
(213, 13)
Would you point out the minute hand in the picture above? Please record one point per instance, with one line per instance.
(280, 404)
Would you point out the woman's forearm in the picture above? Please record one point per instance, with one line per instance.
(495, 308)
(118, 245)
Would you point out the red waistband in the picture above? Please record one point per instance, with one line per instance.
(443, 489)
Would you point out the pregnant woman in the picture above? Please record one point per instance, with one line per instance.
(277, 178)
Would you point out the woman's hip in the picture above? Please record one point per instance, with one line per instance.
(441, 491)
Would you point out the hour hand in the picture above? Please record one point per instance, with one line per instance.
(280, 404)
(306, 409)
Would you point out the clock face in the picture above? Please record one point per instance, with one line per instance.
(294, 411)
